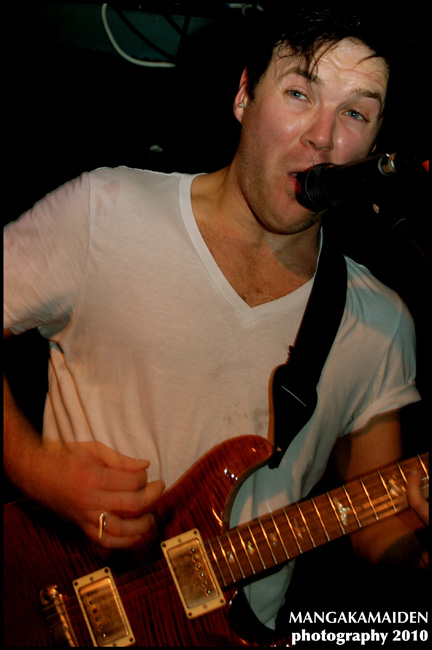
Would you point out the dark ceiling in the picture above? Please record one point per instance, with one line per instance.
(73, 102)
(150, 84)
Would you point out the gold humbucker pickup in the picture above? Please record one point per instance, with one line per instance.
(104, 613)
(192, 573)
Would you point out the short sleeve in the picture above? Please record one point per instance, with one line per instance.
(45, 255)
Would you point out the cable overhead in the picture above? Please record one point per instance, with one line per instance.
(125, 55)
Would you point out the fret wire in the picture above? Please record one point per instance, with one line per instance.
(306, 526)
(396, 489)
(234, 552)
(369, 499)
(387, 490)
(383, 504)
(352, 506)
(280, 536)
(309, 509)
(424, 467)
(267, 540)
(292, 531)
(402, 472)
(366, 511)
(382, 510)
(217, 563)
(382, 501)
(328, 515)
(336, 513)
(401, 501)
(320, 519)
(226, 560)
(245, 550)
(362, 507)
(257, 547)
(380, 506)
(401, 504)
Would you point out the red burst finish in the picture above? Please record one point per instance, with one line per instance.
(42, 550)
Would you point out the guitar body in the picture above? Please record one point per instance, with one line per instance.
(41, 549)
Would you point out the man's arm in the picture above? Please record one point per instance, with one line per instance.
(394, 540)
(79, 481)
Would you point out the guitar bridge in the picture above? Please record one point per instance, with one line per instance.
(103, 611)
(192, 573)
(56, 616)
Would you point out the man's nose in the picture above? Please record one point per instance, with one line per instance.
(320, 132)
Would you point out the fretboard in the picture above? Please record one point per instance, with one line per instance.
(273, 539)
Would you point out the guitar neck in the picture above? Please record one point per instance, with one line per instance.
(250, 549)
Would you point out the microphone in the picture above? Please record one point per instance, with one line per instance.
(326, 185)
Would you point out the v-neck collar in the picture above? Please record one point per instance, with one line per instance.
(247, 312)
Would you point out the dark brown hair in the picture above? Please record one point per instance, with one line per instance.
(307, 28)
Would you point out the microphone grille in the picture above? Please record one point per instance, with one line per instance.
(312, 194)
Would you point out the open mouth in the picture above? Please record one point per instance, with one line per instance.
(295, 183)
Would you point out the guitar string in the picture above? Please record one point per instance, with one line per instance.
(159, 568)
(163, 570)
(126, 587)
(379, 509)
(382, 504)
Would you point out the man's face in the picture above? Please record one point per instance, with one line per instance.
(299, 119)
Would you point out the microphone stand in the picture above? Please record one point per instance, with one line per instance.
(395, 204)
(412, 202)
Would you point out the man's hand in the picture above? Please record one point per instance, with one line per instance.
(415, 498)
(79, 481)
(395, 540)
(84, 479)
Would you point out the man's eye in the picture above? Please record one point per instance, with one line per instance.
(296, 94)
(356, 115)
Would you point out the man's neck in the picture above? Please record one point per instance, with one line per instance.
(260, 266)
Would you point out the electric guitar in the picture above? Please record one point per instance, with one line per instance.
(177, 588)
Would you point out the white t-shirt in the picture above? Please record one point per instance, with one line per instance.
(153, 353)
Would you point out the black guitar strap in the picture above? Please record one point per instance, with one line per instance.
(294, 393)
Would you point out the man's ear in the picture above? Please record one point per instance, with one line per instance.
(242, 96)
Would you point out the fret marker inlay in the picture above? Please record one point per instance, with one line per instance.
(342, 511)
(299, 530)
(396, 490)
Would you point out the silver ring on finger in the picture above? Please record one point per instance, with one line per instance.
(101, 524)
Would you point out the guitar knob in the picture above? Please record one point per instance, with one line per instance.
(48, 595)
